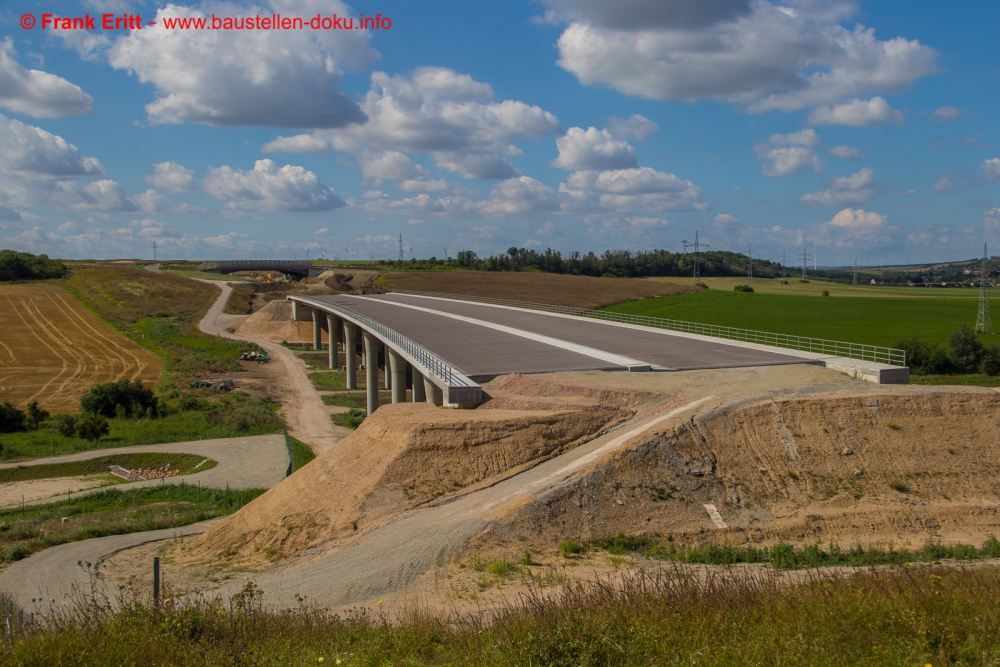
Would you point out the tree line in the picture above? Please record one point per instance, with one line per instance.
(16, 265)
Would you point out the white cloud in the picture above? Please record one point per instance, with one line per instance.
(172, 177)
(857, 113)
(390, 166)
(36, 93)
(789, 154)
(267, 187)
(277, 78)
(510, 197)
(414, 222)
(635, 126)
(726, 221)
(991, 169)
(300, 143)
(593, 149)
(857, 187)
(947, 114)
(785, 57)
(445, 114)
(857, 229)
(625, 190)
(847, 152)
(806, 137)
(29, 149)
(428, 185)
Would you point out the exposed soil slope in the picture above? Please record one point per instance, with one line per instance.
(274, 323)
(401, 457)
(54, 350)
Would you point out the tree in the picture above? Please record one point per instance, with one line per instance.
(11, 419)
(36, 415)
(92, 427)
(104, 399)
(965, 350)
(924, 358)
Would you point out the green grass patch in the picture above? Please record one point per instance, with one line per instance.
(918, 616)
(873, 320)
(351, 419)
(229, 415)
(184, 462)
(355, 399)
(337, 380)
(971, 380)
(113, 512)
(787, 556)
(301, 453)
(204, 275)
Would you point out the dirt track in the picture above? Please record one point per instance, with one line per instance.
(53, 349)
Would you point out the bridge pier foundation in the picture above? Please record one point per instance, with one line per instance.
(371, 371)
(398, 367)
(333, 330)
(433, 393)
(350, 354)
(418, 387)
(317, 330)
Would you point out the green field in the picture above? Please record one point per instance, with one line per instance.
(185, 463)
(875, 320)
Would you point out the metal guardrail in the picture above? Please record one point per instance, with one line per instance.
(860, 351)
(429, 360)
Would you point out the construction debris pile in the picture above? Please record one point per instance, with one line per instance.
(221, 385)
(142, 474)
(259, 357)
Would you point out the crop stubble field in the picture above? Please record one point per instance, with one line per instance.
(53, 350)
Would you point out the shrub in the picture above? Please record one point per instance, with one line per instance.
(965, 350)
(104, 399)
(990, 365)
(899, 486)
(25, 266)
(570, 548)
(826, 292)
(743, 288)
(92, 427)
(11, 419)
(924, 358)
(66, 425)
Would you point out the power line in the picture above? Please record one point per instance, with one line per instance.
(805, 261)
(697, 253)
(401, 247)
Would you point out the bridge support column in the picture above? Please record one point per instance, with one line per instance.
(300, 313)
(350, 354)
(371, 371)
(386, 376)
(333, 331)
(418, 387)
(317, 330)
(398, 367)
(433, 392)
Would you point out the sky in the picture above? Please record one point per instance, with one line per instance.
(843, 130)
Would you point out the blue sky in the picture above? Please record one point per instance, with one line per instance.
(858, 130)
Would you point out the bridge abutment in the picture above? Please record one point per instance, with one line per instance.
(418, 386)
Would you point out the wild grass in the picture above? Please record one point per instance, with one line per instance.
(355, 399)
(185, 463)
(899, 616)
(301, 453)
(113, 512)
(874, 320)
(337, 380)
(240, 300)
(351, 419)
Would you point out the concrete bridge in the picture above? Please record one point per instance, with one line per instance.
(443, 347)
(295, 267)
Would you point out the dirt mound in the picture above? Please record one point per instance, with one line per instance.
(853, 469)
(401, 457)
(274, 323)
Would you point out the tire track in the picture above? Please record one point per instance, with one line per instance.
(27, 325)
(59, 337)
(139, 364)
(83, 336)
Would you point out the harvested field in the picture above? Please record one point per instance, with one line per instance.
(556, 289)
(53, 350)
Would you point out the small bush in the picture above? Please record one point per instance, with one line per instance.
(92, 427)
(899, 486)
(104, 399)
(743, 288)
(11, 419)
(965, 350)
(66, 425)
(36, 415)
(894, 426)
(826, 292)
(570, 548)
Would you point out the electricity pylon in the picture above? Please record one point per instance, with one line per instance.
(984, 323)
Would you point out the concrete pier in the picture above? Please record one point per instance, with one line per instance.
(397, 366)
(317, 329)
(333, 330)
(433, 393)
(350, 355)
(418, 387)
(371, 371)
(386, 376)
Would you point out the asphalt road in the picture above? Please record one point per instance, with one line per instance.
(467, 336)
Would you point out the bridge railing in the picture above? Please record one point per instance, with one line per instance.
(860, 351)
(230, 263)
(430, 361)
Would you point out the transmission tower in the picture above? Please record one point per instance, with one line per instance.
(401, 247)
(154, 250)
(805, 261)
(684, 242)
(697, 250)
(984, 323)
(784, 273)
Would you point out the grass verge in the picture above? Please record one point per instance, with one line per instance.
(904, 616)
(337, 380)
(113, 512)
(355, 399)
(301, 453)
(350, 419)
(185, 463)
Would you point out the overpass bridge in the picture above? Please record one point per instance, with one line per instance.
(443, 346)
(295, 267)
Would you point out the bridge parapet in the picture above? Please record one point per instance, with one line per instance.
(299, 267)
